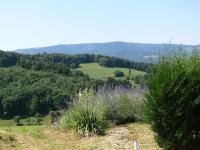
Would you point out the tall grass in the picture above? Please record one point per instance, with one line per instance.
(94, 112)
(87, 114)
(124, 105)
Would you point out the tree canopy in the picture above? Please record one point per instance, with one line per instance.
(31, 84)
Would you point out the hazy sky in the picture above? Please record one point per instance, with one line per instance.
(34, 23)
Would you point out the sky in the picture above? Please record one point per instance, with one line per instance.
(37, 23)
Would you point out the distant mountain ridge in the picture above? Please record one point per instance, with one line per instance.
(132, 51)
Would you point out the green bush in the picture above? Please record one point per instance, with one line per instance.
(173, 102)
(138, 79)
(86, 115)
(54, 116)
(38, 118)
(30, 121)
(38, 115)
(17, 120)
(118, 73)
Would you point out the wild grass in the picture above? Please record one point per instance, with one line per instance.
(62, 139)
(87, 114)
(94, 112)
(33, 131)
(123, 105)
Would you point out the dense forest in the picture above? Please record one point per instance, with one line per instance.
(31, 84)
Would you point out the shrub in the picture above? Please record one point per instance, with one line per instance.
(128, 78)
(30, 121)
(87, 115)
(128, 109)
(92, 113)
(5, 115)
(54, 116)
(17, 120)
(124, 105)
(118, 73)
(173, 102)
(38, 118)
(38, 115)
(138, 79)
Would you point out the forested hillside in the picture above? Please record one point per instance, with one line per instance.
(71, 61)
(143, 52)
(31, 84)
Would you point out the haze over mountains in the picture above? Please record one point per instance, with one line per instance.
(133, 51)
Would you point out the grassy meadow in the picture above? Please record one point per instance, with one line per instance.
(50, 138)
(94, 70)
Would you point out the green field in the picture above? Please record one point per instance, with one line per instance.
(94, 70)
(46, 121)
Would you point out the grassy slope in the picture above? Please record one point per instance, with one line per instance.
(51, 138)
(98, 72)
(10, 122)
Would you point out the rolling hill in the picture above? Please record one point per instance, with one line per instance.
(133, 51)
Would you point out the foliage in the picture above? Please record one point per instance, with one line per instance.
(54, 115)
(118, 73)
(8, 59)
(86, 115)
(38, 118)
(124, 105)
(72, 61)
(138, 79)
(58, 68)
(31, 84)
(124, 63)
(92, 113)
(112, 83)
(30, 121)
(17, 120)
(173, 102)
(141, 80)
(27, 92)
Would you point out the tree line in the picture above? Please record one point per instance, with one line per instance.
(31, 84)
(71, 61)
